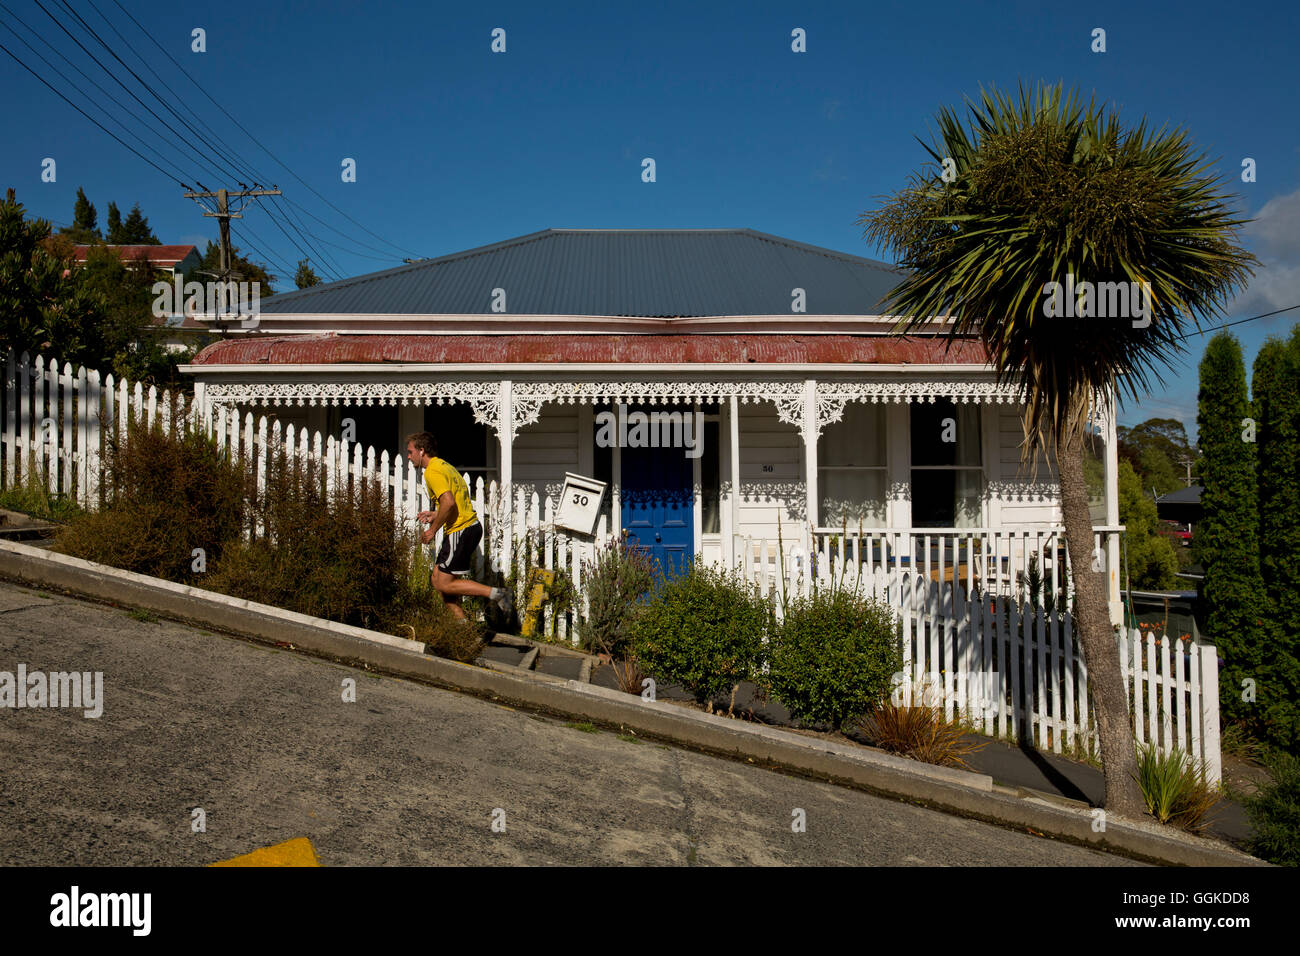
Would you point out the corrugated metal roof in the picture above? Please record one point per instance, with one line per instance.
(616, 272)
(608, 349)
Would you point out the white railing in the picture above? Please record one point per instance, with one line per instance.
(988, 633)
(994, 560)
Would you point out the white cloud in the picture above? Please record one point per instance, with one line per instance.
(827, 173)
(1274, 237)
(1277, 225)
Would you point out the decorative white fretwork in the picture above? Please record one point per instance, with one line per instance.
(483, 395)
(914, 390)
(528, 411)
(353, 393)
(666, 391)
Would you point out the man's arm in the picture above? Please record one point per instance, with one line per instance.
(446, 514)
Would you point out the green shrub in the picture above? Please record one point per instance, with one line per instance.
(1237, 740)
(166, 494)
(424, 617)
(1175, 788)
(615, 584)
(340, 555)
(1274, 813)
(833, 656)
(703, 629)
(32, 496)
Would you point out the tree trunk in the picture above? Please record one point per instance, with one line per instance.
(1096, 638)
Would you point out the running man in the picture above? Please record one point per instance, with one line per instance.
(448, 491)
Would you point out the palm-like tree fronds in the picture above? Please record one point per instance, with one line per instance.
(1043, 187)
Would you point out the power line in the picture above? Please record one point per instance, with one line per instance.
(385, 258)
(240, 160)
(86, 98)
(237, 165)
(89, 117)
(95, 59)
(312, 253)
(1228, 325)
(152, 92)
(292, 241)
(223, 160)
(327, 264)
(328, 261)
(244, 233)
(254, 138)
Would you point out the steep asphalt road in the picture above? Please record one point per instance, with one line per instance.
(264, 742)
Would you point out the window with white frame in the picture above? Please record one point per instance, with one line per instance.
(852, 473)
(947, 465)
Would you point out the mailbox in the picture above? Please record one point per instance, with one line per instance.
(580, 504)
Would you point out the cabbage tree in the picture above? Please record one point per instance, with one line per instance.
(1079, 252)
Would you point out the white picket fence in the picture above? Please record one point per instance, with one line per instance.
(1002, 659)
(57, 421)
(987, 634)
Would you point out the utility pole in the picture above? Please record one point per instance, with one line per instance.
(224, 214)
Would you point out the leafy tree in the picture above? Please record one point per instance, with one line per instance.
(83, 230)
(247, 270)
(1039, 189)
(137, 230)
(1276, 387)
(1158, 474)
(132, 342)
(305, 276)
(134, 231)
(1231, 595)
(1152, 563)
(1157, 450)
(97, 316)
(114, 234)
(40, 309)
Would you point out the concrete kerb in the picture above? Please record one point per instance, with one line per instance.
(966, 794)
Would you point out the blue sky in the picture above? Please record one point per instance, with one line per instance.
(457, 146)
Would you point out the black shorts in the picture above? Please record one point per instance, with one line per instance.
(460, 545)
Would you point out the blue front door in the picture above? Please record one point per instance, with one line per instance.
(659, 504)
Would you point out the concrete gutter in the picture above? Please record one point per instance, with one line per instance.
(966, 794)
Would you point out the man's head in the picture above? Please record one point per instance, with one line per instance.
(420, 447)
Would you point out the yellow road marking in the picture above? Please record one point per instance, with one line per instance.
(295, 852)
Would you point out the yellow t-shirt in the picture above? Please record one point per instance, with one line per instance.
(439, 478)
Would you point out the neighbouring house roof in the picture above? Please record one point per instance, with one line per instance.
(182, 321)
(164, 257)
(614, 272)
(1181, 505)
(595, 349)
(1183, 496)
